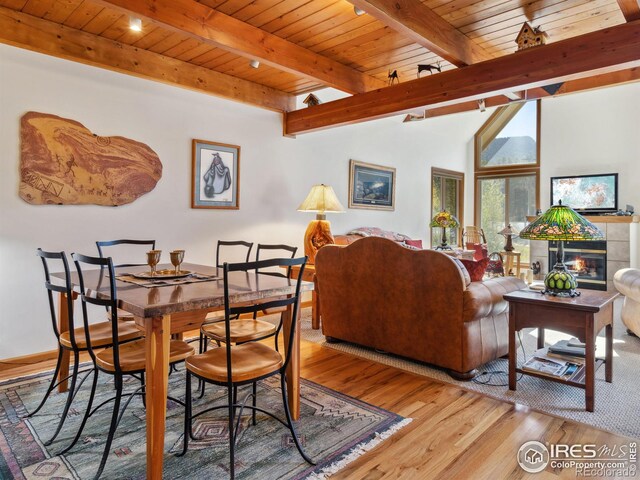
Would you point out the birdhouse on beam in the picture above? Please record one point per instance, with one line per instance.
(530, 37)
(311, 100)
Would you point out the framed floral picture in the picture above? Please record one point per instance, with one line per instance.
(215, 175)
(371, 186)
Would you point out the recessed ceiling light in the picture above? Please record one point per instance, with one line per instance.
(358, 11)
(135, 24)
(254, 63)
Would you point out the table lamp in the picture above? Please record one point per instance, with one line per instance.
(444, 220)
(321, 199)
(561, 223)
(508, 232)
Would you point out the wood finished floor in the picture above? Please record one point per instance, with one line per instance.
(455, 433)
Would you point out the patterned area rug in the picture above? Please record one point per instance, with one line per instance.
(334, 428)
(616, 404)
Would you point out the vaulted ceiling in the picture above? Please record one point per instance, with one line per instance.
(303, 45)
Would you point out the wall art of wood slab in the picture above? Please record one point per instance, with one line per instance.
(64, 163)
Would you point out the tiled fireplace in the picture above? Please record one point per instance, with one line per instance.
(596, 268)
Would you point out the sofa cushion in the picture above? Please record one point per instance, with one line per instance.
(414, 243)
(476, 269)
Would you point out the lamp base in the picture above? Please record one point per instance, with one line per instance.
(318, 235)
(560, 282)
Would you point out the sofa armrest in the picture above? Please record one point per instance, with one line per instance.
(627, 282)
(485, 299)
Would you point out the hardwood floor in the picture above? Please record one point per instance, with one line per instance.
(455, 433)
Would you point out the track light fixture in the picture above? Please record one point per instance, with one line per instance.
(358, 11)
(254, 63)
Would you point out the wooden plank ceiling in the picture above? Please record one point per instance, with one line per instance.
(306, 45)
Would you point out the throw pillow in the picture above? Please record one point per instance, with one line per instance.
(480, 250)
(414, 243)
(475, 269)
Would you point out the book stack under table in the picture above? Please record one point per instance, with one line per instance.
(563, 361)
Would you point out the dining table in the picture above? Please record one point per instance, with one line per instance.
(162, 308)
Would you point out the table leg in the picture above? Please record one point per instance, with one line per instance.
(157, 332)
(63, 326)
(608, 372)
(293, 370)
(590, 359)
(512, 349)
(315, 311)
(540, 338)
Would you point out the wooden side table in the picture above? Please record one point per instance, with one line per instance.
(511, 258)
(309, 275)
(583, 317)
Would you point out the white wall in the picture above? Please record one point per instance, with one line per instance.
(276, 174)
(593, 132)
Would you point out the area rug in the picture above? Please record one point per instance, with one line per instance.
(616, 404)
(334, 428)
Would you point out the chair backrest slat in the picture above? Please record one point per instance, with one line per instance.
(228, 245)
(276, 250)
(105, 244)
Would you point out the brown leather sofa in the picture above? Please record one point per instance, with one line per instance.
(418, 304)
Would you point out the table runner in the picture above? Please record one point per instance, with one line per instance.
(148, 283)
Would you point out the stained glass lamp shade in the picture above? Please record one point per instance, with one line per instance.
(561, 223)
(444, 220)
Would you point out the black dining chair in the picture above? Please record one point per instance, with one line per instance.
(122, 249)
(236, 365)
(225, 249)
(118, 360)
(72, 338)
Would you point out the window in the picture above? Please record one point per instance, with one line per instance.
(507, 171)
(447, 188)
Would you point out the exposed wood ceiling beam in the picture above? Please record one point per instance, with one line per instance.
(572, 86)
(630, 9)
(215, 28)
(25, 31)
(425, 27)
(606, 50)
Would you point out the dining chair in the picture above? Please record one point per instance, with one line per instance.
(251, 329)
(237, 365)
(118, 360)
(225, 249)
(125, 249)
(71, 338)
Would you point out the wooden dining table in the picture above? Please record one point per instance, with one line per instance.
(163, 310)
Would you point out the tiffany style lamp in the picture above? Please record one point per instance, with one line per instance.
(444, 220)
(561, 223)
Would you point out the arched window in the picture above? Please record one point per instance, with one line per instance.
(507, 172)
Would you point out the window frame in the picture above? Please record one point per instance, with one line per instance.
(494, 125)
(497, 121)
(459, 177)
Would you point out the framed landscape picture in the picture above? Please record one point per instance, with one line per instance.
(371, 186)
(215, 175)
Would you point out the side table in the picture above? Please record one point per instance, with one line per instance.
(309, 275)
(583, 317)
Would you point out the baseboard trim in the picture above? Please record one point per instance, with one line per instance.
(33, 358)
